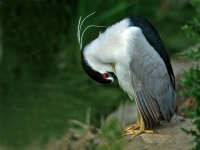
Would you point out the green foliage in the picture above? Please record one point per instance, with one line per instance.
(32, 38)
(193, 55)
(111, 133)
(191, 82)
(191, 78)
(192, 28)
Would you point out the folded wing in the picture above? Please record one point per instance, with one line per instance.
(154, 93)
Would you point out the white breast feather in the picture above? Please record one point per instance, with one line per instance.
(131, 36)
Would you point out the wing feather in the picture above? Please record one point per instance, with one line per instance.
(149, 120)
(147, 105)
(156, 80)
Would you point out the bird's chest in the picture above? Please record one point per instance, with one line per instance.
(124, 79)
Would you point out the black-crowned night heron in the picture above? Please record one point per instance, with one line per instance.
(132, 52)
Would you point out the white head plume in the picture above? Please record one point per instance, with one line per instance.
(80, 37)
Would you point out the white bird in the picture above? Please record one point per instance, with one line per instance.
(132, 52)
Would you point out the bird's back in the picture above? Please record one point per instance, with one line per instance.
(154, 40)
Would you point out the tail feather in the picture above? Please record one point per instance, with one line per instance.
(167, 104)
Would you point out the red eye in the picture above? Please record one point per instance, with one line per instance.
(105, 75)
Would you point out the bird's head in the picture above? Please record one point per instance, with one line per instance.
(99, 71)
(101, 74)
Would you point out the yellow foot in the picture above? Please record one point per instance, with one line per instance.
(132, 128)
(138, 132)
(129, 129)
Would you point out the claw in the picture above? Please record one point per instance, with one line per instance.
(138, 132)
(132, 128)
(129, 129)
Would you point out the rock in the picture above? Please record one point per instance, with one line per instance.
(167, 136)
(155, 138)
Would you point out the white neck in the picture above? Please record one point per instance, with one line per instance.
(100, 52)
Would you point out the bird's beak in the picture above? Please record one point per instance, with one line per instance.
(113, 76)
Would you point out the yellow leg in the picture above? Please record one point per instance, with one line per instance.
(129, 129)
(132, 128)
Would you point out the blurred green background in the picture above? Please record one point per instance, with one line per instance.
(42, 83)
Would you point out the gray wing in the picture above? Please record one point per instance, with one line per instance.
(154, 93)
